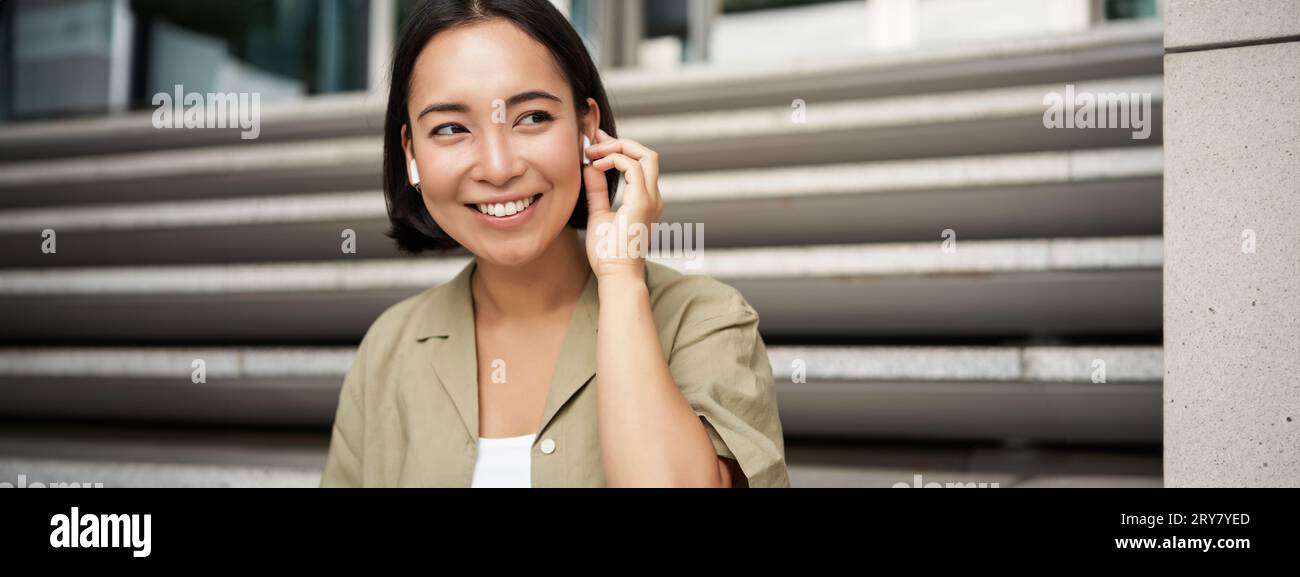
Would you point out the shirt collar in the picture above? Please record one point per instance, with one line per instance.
(448, 321)
(448, 307)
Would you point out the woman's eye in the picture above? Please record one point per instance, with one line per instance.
(447, 129)
(539, 117)
(536, 118)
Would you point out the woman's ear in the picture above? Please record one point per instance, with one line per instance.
(587, 128)
(412, 171)
(591, 120)
(406, 143)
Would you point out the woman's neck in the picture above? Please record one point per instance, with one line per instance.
(550, 282)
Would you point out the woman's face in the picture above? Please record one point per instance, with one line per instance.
(493, 123)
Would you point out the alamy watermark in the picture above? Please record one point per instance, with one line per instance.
(77, 530)
(677, 241)
(211, 110)
(1075, 109)
(24, 484)
(918, 483)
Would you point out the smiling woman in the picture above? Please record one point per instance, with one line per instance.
(482, 52)
(546, 362)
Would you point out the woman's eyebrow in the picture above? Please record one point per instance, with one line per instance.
(510, 102)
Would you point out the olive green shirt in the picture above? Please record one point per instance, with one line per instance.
(408, 410)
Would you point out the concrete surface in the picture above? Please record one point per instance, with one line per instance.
(1193, 24)
(1232, 310)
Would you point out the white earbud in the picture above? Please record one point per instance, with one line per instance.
(415, 174)
(585, 143)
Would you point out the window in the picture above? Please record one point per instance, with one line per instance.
(748, 5)
(75, 57)
(1129, 9)
(281, 48)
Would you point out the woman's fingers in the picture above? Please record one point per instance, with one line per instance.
(602, 136)
(641, 202)
(597, 189)
(632, 173)
(649, 159)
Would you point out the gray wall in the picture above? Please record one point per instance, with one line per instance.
(1232, 316)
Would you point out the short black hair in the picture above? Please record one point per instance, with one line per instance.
(411, 225)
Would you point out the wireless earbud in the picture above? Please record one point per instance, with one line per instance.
(585, 143)
(415, 174)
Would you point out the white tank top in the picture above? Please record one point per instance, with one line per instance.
(504, 462)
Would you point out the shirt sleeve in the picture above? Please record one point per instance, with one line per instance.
(721, 365)
(343, 465)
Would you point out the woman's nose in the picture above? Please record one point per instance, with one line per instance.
(497, 163)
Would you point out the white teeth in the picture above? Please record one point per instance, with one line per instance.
(505, 209)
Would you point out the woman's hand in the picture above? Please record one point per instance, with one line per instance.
(618, 242)
(649, 433)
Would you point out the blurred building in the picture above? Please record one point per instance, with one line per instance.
(946, 285)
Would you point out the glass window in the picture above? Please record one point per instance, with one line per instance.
(280, 48)
(64, 57)
(73, 57)
(747, 5)
(583, 14)
(1126, 9)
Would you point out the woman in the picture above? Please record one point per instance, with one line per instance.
(548, 361)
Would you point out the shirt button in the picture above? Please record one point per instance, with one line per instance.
(548, 446)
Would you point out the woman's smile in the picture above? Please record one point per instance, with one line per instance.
(505, 215)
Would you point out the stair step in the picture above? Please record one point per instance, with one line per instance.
(1030, 392)
(990, 288)
(1117, 50)
(1109, 192)
(999, 121)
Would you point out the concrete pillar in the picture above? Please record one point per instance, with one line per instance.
(1232, 243)
(619, 27)
(701, 14)
(383, 24)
